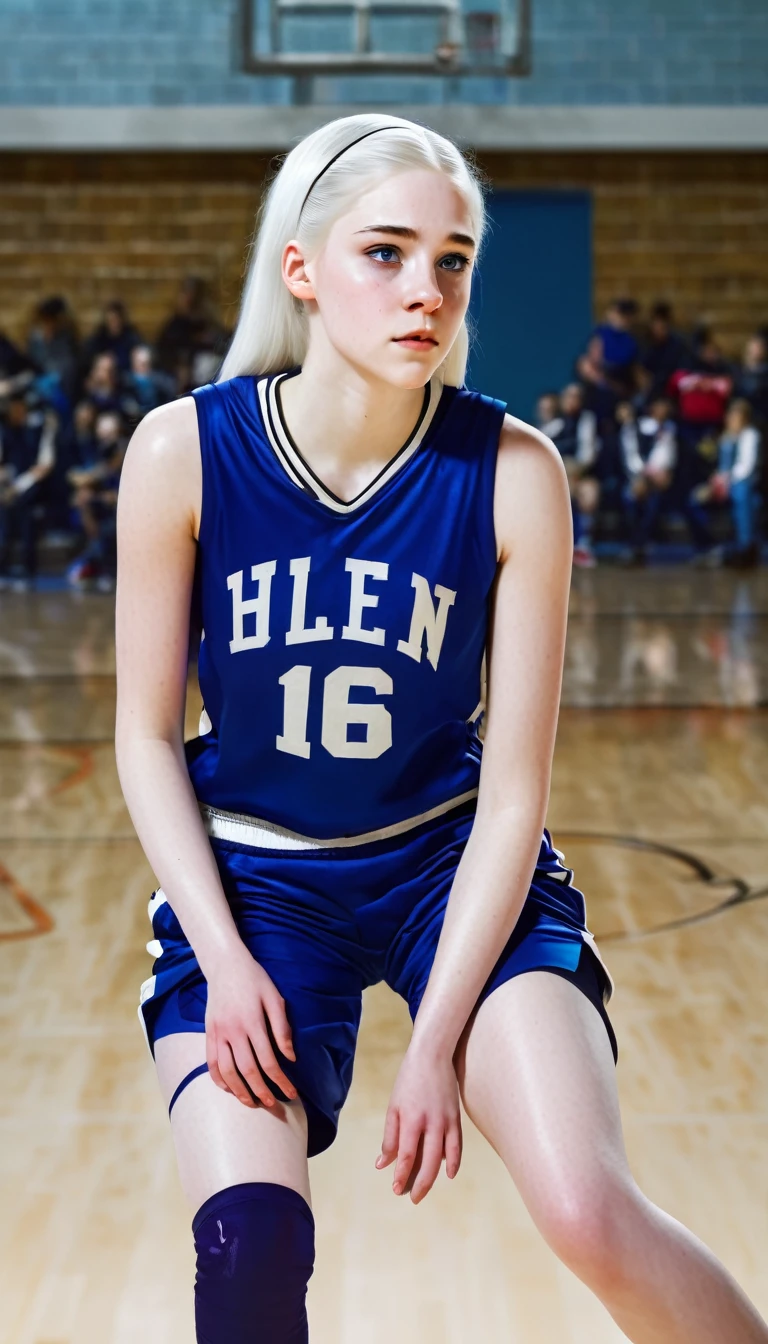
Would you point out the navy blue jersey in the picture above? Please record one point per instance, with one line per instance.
(343, 642)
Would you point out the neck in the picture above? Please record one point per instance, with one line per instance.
(344, 420)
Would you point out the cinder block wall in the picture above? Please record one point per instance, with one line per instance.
(584, 52)
(689, 227)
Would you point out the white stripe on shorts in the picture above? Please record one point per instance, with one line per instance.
(245, 830)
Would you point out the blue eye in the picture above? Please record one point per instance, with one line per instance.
(392, 253)
(455, 262)
(458, 257)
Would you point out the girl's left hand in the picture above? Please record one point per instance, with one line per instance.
(423, 1123)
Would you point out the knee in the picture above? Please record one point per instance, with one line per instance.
(592, 1232)
(255, 1245)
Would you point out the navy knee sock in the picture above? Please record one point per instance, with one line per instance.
(255, 1246)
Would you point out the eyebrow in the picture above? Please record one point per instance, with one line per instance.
(401, 231)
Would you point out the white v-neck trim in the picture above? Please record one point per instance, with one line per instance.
(298, 470)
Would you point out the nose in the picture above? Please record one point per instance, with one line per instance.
(422, 292)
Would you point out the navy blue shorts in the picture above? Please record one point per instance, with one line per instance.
(325, 923)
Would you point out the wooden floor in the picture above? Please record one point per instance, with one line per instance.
(660, 801)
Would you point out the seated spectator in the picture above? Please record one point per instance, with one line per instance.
(701, 391)
(75, 446)
(601, 395)
(573, 430)
(102, 387)
(192, 331)
(17, 371)
(620, 350)
(548, 413)
(649, 450)
(96, 484)
(734, 485)
(79, 444)
(27, 458)
(752, 379)
(702, 388)
(53, 348)
(115, 335)
(664, 351)
(145, 386)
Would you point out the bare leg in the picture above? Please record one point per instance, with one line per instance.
(537, 1078)
(219, 1141)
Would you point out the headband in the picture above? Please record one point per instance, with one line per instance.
(343, 150)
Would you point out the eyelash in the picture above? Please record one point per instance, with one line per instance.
(452, 256)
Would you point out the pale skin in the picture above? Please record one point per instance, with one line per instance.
(533, 1066)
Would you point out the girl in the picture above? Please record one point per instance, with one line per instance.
(734, 483)
(356, 526)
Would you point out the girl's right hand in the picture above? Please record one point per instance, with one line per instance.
(243, 1006)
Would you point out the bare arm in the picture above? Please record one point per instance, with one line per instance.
(157, 514)
(156, 560)
(525, 661)
(46, 456)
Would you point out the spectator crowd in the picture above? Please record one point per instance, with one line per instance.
(656, 422)
(68, 407)
(653, 423)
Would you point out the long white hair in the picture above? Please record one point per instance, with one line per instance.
(272, 332)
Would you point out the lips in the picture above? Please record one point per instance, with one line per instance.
(423, 338)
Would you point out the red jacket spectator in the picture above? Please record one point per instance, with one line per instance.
(702, 397)
(703, 391)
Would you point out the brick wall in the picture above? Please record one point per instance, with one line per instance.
(691, 228)
(687, 227)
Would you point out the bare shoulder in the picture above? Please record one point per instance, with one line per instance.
(168, 432)
(524, 451)
(162, 461)
(531, 488)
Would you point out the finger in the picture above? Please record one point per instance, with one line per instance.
(212, 1060)
(266, 1060)
(453, 1148)
(279, 1026)
(250, 1071)
(233, 1077)
(407, 1153)
(431, 1159)
(389, 1142)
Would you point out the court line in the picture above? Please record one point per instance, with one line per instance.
(741, 891)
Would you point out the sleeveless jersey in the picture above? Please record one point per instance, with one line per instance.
(343, 642)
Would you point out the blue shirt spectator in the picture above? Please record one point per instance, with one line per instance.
(620, 348)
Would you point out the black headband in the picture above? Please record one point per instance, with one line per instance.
(364, 136)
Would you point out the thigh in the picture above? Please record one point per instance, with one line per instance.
(310, 964)
(220, 1142)
(537, 1078)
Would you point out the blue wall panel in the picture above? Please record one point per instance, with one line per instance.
(532, 295)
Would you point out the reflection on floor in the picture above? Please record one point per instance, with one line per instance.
(660, 802)
(667, 637)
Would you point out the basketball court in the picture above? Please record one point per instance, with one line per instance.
(660, 802)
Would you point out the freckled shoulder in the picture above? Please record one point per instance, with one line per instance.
(531, 480)
(164, 451)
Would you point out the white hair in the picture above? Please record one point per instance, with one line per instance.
(272, 331)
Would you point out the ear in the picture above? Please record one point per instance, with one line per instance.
(294, 272)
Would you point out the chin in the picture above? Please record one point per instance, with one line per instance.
(409, 373)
